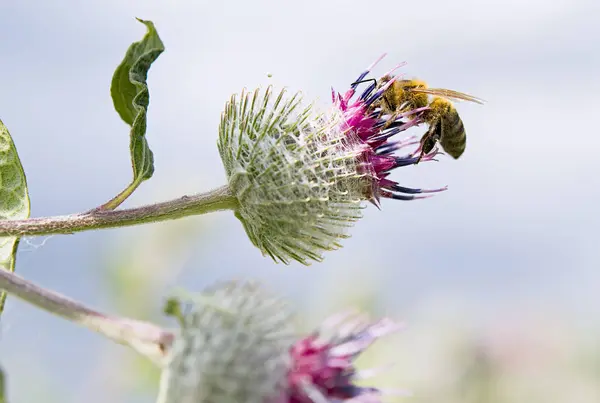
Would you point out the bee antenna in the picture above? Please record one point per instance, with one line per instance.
(364, 81)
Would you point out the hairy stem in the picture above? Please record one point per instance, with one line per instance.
(146, 338)
(218, 199)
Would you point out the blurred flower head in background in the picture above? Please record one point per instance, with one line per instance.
(323, 364)
(237, 344)
(232, 347)
(301, 176)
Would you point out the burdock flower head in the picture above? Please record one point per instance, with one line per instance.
(301, 177)
(323, 363)
(237, 345)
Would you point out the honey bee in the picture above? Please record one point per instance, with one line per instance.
(445, 124)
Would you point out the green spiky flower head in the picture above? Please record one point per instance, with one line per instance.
(294, 172)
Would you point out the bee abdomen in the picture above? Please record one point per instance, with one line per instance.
(454, 136)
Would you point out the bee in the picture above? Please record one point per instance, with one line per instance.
(445, 124)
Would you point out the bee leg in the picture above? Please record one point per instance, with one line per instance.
(419, 151)
(428, 141)
(391, 120)
(426, 151)
(426, 155)
(431, 155)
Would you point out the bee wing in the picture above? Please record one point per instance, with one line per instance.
(448, 94)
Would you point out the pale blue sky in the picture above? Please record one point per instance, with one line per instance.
(517, 228)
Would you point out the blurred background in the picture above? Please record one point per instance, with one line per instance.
(497, 278)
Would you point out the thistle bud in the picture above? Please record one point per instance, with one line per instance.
(237, 345)
(301, 176)
(232, 348)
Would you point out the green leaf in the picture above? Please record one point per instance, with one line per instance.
(14, 200)
(130, 96)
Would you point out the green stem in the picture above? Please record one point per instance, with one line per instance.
(215, 200)
(146, 338)
(2, 387)
(121, 197)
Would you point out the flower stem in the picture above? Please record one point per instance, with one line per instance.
(2, 387)
(146, 338)
(121, 197)
(217, 199)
